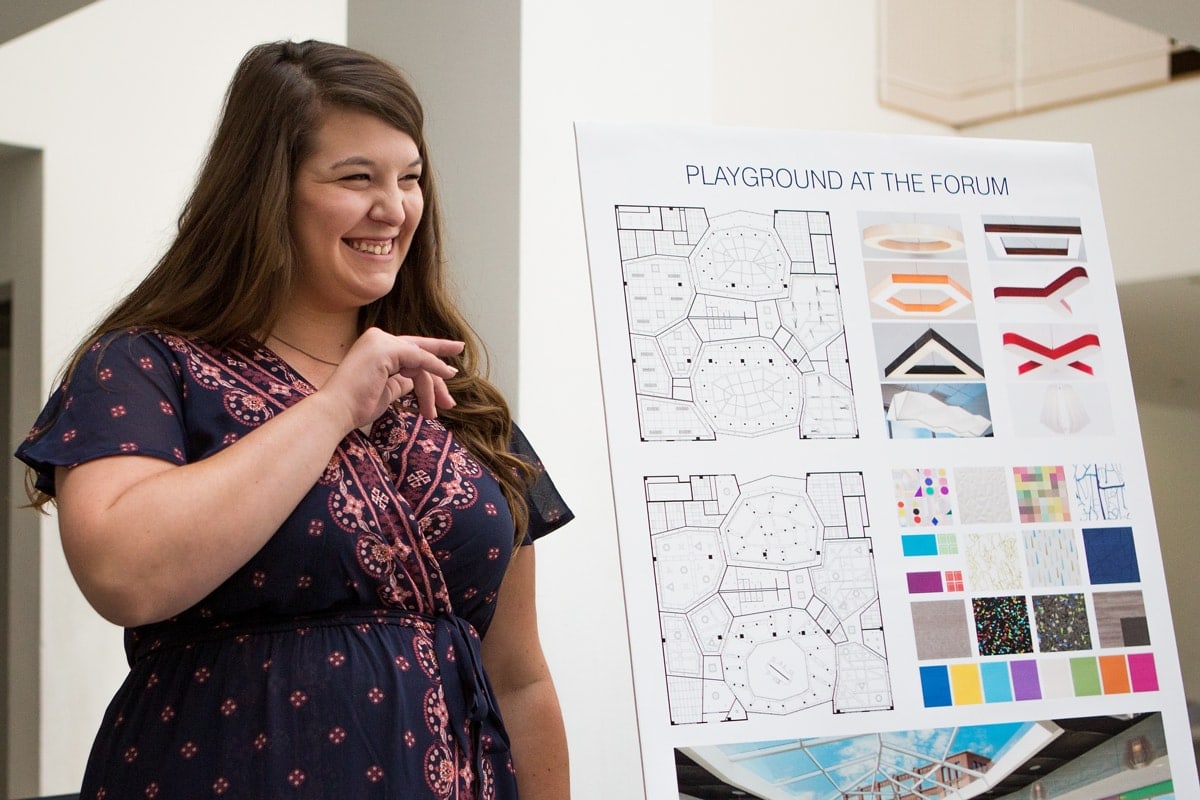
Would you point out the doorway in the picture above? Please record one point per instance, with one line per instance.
(21, 395)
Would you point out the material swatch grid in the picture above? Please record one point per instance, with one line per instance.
(1026, 609)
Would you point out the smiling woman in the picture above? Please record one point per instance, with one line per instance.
(277, 464)
(356, 206)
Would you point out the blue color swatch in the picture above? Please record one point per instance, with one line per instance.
(1110, 555)
(920, 544)
(935, 686)
(996, 686)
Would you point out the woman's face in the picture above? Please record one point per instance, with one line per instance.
(356, 202)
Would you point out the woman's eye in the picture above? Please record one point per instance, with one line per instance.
(358, 176)
(415, 178)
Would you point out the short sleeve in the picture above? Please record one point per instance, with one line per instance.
(547, 510)
(125, 396)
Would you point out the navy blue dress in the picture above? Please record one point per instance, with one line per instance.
(343, 659)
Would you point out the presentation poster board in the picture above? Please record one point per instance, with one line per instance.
(884, 522)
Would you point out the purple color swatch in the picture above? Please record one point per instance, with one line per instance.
(1025, 680)
(924, 582)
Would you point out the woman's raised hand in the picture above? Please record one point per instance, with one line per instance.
(147, 539)
(380, 368)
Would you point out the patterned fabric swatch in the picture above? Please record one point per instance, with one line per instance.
(1111, 557)
(940, 629)
(1052, 557)
(1042, 494)
(983, 495)
(1002, 625)
(1121, 619)
(1062, 622)
(1099, 492)
(993, 562)
(923, 497)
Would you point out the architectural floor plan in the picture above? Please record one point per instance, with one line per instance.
(767, 596)
(735, 324)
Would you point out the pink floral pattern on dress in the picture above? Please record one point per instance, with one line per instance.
(337, 661)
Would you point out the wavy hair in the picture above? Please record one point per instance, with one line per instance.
(232, 264)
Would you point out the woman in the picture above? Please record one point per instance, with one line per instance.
(304, 519)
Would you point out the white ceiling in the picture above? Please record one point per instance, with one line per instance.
(964, 64)
(1179, 19)
(22, 16)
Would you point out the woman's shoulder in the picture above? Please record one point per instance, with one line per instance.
(145, 339)
(142, 346)
(124, 393)
(131, 357)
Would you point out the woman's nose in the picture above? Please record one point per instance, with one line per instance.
(389, 207)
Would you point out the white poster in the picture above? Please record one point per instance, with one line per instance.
(884, 520)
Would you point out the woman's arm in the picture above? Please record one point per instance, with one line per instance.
(147, 539)
(512, 655)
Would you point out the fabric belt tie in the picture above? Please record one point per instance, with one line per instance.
(470, 701)
(469, 697)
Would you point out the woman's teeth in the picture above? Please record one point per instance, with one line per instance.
(366, 246)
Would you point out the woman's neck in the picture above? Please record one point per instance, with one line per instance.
(324, 339)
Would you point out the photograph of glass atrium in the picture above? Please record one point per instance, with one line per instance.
(1088, 758)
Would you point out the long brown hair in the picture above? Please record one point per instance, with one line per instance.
(232, 264)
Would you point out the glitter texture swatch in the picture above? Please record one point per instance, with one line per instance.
(1062, 623)
(1002, 625)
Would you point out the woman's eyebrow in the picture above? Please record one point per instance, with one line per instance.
(363, 161)
(360, 161)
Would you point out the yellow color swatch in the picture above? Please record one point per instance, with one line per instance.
(965, 685)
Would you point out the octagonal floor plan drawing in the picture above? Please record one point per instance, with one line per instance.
(767, 597)
(735, 324)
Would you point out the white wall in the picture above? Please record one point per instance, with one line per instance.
(463, 58)
(807, 65)
(624, 60)
(121, 97)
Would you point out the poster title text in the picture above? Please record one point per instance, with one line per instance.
(834, 180)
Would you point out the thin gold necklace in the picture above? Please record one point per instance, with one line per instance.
(303, 351)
